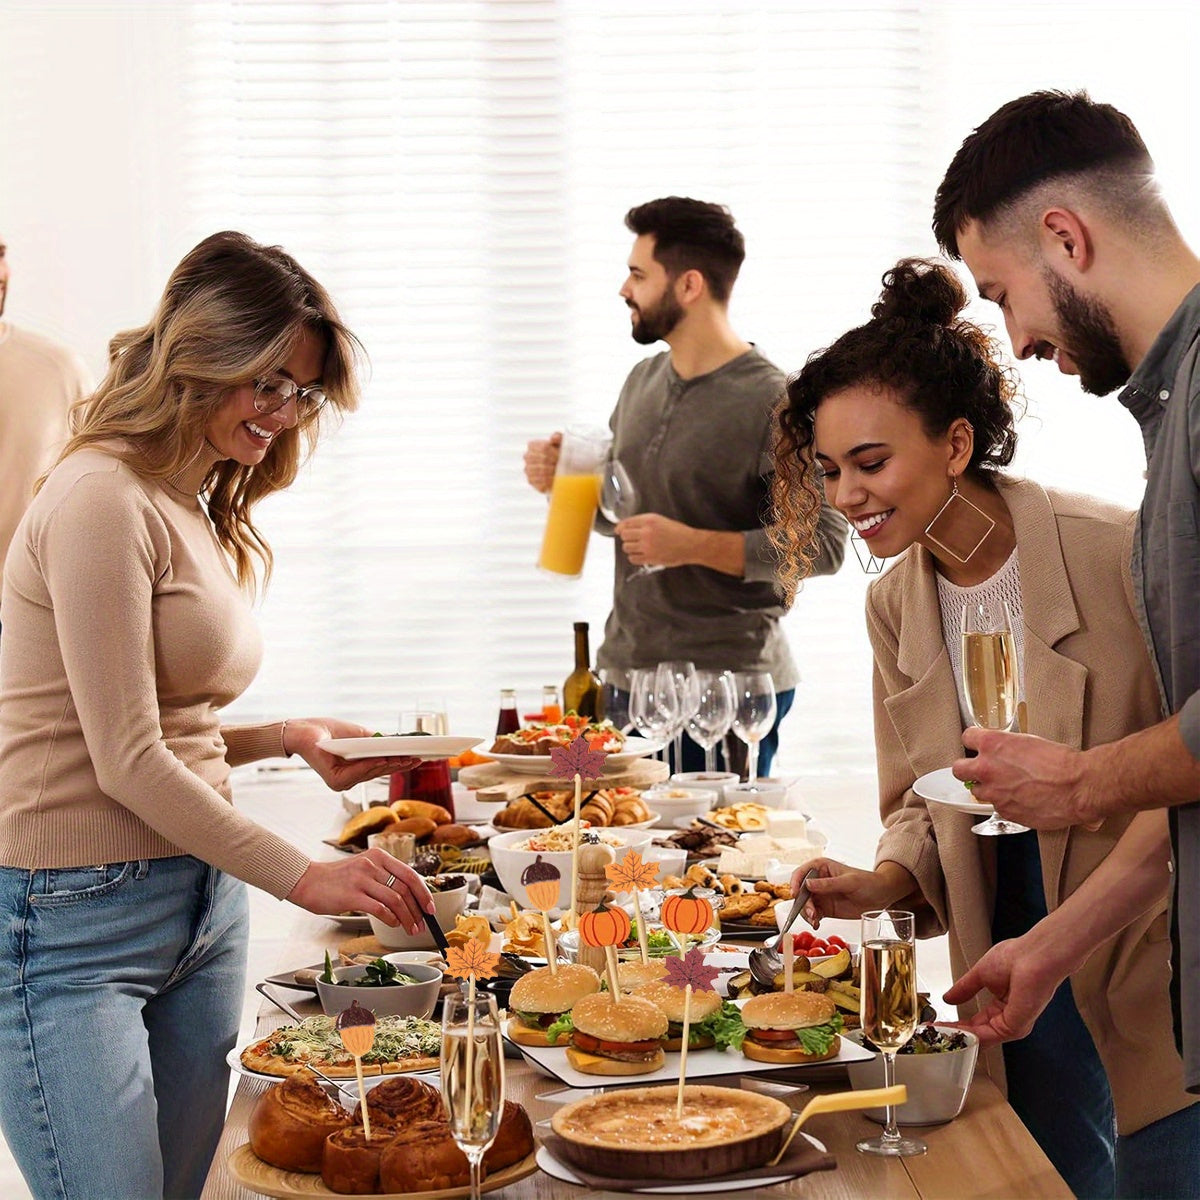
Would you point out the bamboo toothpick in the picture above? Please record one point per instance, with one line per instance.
(683, 1050)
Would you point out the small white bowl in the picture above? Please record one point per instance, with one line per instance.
(764, 792)
(510, 863)
(937, 1083)
(402, 1000)
(703, 780)
(446, 906)
(674, 803)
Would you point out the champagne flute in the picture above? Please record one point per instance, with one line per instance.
(889, 1010)
(753, 713)
(990, 682)
(472, 1075)
(618, 501)
(713, 716)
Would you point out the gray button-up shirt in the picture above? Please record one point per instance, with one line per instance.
(1164, 397)
(700, 451)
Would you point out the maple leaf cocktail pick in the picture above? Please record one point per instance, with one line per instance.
(356, 1028)
(689, 973)
(580, 761)
(630, 874)
(470, 961)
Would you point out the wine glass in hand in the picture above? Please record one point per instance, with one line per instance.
(889, 1009)
(472, 1076)
(619, 501)
(754, 711)
(713, 716)
(990, 683)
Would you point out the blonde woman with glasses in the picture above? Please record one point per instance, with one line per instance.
(126, 632)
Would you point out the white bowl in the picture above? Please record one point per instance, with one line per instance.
(672, 860)
(510, 863)
(446, 906)
(937, 1083)
(765, 792)
(674, 803)
(703, 780)
(402, 1000)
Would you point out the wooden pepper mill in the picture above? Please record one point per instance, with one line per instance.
(594, 856)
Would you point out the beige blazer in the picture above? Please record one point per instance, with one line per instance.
(1088, 680)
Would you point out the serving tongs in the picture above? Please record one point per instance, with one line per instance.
(517, 964)
(766, 965)
(843, 1102)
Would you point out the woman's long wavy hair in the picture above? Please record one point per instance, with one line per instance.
(231, 313)
(917, 348)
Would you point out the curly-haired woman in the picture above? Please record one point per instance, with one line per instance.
(907, 422)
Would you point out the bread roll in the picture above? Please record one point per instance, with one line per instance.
(421, 808)
(400, 1101)
(371, 820)
(453, 835)
(419, 827)
(350, 1164)
(423, 1158)
(514, 1139)
(291, 1121)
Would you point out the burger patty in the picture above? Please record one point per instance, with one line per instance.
(621, 1051)
(538, 1020)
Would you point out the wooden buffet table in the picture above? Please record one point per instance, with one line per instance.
(985, 1152)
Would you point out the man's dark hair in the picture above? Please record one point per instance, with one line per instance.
(692, 235)
(1031, 139)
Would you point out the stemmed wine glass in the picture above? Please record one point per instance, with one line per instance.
(713, 716)
(889, 1009)
(687, 695)
(753, 713)
(619, 501)
(472, 1076)
(651, 708)
(990, 682)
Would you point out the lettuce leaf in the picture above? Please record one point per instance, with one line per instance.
(563, 1027)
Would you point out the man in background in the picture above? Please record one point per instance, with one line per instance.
(1053, 206)
(39, 381)
(693, 428)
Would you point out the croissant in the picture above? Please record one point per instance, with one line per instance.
(291, 1121)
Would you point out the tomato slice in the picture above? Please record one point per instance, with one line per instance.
(594, 1045)
(773, 1035)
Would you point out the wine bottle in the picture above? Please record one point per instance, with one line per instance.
(508, 720)
(581, 690)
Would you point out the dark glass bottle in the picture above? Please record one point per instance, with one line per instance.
(581, 690)
(509, 721)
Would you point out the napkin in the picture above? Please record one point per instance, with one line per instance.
(802, 1158)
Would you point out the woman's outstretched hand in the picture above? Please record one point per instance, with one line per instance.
(302, 734)
(373, 882)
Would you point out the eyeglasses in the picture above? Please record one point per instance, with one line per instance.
(273, 393)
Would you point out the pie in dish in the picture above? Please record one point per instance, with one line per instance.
(634, 1132)
(401, 1044)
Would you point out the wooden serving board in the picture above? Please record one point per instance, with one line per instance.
(495, 783)
(248, 1169)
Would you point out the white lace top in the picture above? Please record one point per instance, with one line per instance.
(1004, 585)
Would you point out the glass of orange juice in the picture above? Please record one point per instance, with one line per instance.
(574, 498)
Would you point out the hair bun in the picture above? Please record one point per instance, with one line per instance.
(919, 289)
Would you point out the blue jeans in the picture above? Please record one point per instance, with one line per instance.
(120, 995)
(693, 753)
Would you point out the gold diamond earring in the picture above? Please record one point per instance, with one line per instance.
(960, 526)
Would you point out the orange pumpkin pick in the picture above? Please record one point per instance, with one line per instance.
(688, 914)
(610, 928)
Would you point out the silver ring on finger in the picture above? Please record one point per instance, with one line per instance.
(389, 881)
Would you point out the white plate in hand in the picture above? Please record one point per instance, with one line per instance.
(943, 788)
(421, 746)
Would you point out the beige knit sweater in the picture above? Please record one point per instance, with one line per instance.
(125, 633)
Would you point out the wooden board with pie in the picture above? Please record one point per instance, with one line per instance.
(401, 1044)
(498, 784)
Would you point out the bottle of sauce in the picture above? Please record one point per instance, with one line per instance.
(509, 720)
(581, 691)
(552, 709)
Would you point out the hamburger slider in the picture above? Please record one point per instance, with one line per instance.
(704, 1007)
(540, 999)
(632, 975)
(791, 1027)
(616, 1037)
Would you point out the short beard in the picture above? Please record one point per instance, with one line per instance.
(1090, 338)
(654, 324)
